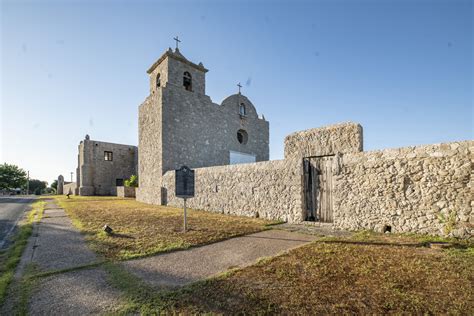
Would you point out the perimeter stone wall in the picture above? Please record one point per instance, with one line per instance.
(123, 191)
(271, 189)
(329, 140)
(423, 189)
(69, 187)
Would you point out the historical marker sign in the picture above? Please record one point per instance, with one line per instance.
(184, 187)
(184, 183)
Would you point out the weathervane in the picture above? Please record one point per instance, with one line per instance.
(177, 41)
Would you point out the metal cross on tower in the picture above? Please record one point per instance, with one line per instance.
(240, 86)
(177, 41)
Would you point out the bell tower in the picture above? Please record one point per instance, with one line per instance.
(172, 68)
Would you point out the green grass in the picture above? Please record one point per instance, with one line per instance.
(10, 258)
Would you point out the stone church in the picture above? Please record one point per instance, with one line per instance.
(325, 177)
(180, 125)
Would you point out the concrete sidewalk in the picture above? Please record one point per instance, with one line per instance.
(183, 267)
(57, 245)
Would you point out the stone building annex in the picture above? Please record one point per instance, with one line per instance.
(101, 168)
(325, 177)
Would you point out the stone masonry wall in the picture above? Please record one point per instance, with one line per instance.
(329, 140)
(69, 187)
(199, 133)
(60, 187)
(98, 176)
(124, 191)
(424, 189)
(269, 190)
(171, 66)
(150, 150)
(179, 127)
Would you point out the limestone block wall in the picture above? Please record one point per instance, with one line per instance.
(199, 133)
(160, 70)
(177, 65)
(60, 187)
(98, 176)
(171, 67)
(150, 149)
(271, 189)
(424, 189)
(328, 140)
(179, 127)
(69, 187)
(123, 191)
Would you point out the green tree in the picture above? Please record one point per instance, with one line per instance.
(12, 177)
(54, 185)
(49, 190)
(37, 186)
(132, 182)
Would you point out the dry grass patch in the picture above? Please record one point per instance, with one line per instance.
(141, 229)
(379, 275)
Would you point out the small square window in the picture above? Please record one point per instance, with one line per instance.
(108, 156)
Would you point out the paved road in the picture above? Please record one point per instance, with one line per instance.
(11, 210)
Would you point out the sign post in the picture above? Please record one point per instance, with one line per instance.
(185, 225)
(184, 187)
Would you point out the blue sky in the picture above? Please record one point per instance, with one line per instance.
(403, 69)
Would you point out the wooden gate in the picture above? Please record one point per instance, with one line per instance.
(318, 188)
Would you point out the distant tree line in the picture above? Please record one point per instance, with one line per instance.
(37, 186)
(14, 178)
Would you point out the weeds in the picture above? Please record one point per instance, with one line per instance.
(449, 221)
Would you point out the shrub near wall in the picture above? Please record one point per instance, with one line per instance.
(424, 189)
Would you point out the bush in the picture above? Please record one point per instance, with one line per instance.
(132, 182)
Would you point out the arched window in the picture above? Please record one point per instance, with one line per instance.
(242, 110)
(187, 81)
(158, 82)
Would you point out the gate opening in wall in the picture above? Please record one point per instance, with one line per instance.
(318, 183)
